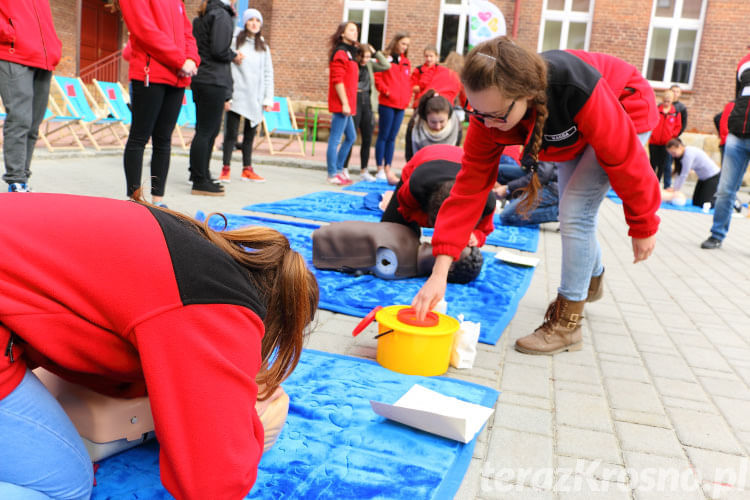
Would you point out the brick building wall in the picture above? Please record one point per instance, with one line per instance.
(298, 33)
(65, 14)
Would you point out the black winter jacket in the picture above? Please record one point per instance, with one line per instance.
(213, 33)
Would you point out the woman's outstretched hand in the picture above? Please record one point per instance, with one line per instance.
(434, 288)
(643, 248)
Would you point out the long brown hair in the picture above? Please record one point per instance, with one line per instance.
(260, 43)
(336, 39)
(284, 282)
(390, 49)
(518, 73)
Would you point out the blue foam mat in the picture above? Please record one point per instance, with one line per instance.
(491, 299)
(370, 187)
(335, 206)
(665, 205)
(333, 445)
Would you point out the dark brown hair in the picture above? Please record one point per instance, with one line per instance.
(432, 102)
(518, 73)
(284, 282)
(336, 40)
(436, 199)
(390, 49)
(260, 43)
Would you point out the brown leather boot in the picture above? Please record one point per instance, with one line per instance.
(596, 288)
(561, 330)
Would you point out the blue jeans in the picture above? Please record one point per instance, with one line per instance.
(341, 124)
(389, 123)
(41, 454)
(582, 185)
(508, 170)
(736, 156)
(546, 211)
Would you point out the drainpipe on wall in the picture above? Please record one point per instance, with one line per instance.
(516, 15)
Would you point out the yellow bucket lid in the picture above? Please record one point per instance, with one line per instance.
(401, 318)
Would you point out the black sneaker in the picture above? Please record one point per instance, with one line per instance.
(207, 188)
(711, 243)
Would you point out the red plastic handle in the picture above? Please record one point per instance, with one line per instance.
(408, 316)
(365, 321)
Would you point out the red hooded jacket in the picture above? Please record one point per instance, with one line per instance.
(669, 126)
(446, 83)
(439, 162)
(27, 34)
(343, 69)
(584, 109)
(394, 85)
(161, 40)
(127, 300)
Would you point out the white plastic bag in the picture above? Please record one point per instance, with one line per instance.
(465, 344)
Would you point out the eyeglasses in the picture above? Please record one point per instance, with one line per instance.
(486, 116)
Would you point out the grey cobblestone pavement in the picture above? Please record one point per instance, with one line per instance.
(656, 405)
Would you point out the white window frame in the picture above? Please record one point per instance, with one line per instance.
(566, 16)
(367, 6)
(461, 10)
(674, 24)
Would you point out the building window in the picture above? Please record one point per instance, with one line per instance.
(453, 27)
(566, 24)
(369, 15)
(673, 41)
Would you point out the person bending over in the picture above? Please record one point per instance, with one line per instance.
(130, 299)
(689, 158)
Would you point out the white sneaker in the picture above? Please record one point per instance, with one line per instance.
(334, 180)
(367, 176)
(381, 175)
(345, 174)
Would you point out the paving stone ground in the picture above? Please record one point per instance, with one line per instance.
(656, 405)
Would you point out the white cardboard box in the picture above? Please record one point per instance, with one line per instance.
(514, 258)
(436, 413)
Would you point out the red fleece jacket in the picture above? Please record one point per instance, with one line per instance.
(394, 85)
(668, 127)
(343, 69)
(27, 34)
(161, 40)
(128, 300)
(601, 122)
(411, 208)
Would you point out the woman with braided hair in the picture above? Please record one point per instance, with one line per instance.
(588, 113)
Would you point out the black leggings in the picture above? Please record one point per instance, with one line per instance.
(209, 106)
(391, 213)
(660, 162)
(155, 111)
(231, 126)
(364, 121)
(705, 191)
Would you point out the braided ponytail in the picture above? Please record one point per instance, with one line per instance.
(531, 191)
(517, 73)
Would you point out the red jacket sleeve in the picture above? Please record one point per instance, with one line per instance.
(459, 213)
(677, 126)
(484, 228)
(338, 67)
(380, 85)
(200, 364)
(610, 132)
(137, 15)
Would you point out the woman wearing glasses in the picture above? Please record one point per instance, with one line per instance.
(588, 113)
